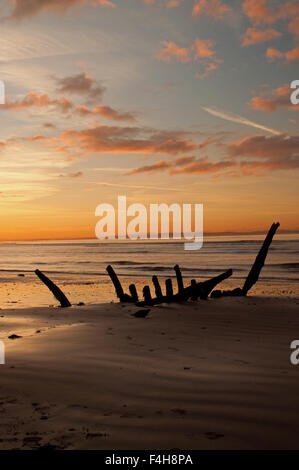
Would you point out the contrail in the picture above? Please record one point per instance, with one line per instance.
(239, 120)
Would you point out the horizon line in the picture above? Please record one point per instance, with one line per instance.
(209, 234)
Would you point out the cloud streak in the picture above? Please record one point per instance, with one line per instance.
(252, 156)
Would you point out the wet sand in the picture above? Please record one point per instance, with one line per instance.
(205, 375)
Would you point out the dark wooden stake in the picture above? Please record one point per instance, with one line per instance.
(116, 282)
(147, 295)
(56, 291)
(169, 289)
(118, 287)
(179, 279)
(133, 292)
(257, 266)
(158, 289)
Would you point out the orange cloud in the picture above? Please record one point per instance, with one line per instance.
(113, 139)
(173, 3)
(289, 56)
(214, 8)
(170, 50)
(202, 50)
(294, 27)
(258, 11)
(272, 54)
(249, 156)
(277, 152)
(288, 10)
(156, 167)
(39, 101)
(204, 166)
(274, 100)
(163, 165)
(28, 8)
(292, 55)
(64, 105)
(255, 36)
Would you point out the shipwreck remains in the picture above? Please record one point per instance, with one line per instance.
(195, 290)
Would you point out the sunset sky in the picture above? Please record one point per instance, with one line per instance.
(183, 101)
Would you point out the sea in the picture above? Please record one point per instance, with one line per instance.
(79, 267)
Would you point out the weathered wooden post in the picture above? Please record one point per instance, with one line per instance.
(157, 286)
(169, 289)
(179, 279)
(116, 282)
(133, 292)
(56, 291)
(147, 295)
(257, 266)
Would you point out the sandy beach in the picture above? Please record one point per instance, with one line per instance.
(199, 375)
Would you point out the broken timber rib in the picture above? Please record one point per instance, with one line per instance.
(203, 289)
(168, 286)
(147, 295)
(118, 287)
(179, 278)
(133, 292)
(157, 286)
(58, 294)
(255, 271)
(257, 266)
